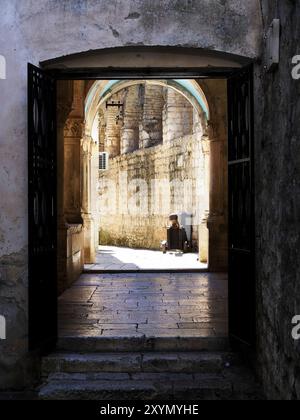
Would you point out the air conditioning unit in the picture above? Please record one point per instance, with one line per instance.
(103, 161)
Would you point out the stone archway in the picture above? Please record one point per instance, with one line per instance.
(213, 224)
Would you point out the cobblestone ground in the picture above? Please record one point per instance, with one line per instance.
(151, 305)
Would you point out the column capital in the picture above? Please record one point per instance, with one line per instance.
(74, 127)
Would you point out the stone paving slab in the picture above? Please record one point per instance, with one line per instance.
(150, 305)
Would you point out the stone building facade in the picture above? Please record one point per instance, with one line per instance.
(231, 27)
(141, 221)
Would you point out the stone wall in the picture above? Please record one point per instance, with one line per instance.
(177, 116)
(71, 255)
(126, 218)
(277, 151)
(232, 26)
(16, 366)
(151, 126)
(137, 123)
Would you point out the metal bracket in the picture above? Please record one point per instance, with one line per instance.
(114, 104)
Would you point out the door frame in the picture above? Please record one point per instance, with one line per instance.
(155, 73)
(245, 342)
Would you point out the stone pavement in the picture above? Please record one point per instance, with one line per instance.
(122, 259)
(145, 305)
(145, 337)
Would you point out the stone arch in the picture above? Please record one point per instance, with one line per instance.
(214, 142)
(101, 91)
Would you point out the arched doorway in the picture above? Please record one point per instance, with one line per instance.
(239, 192)
(163, 115)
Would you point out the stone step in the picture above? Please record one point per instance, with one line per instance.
(155, 362)
(141, 343)
(136, 386)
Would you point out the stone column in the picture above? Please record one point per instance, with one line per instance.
(113, 132)
(62, 115)
(203, 229)
(151, 121)
(95, 191)
(131, 119)
(72, 192)
(86, 213)
(217, 218)
(177, 116)
(64, 99)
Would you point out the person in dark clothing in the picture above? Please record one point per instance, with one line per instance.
(176, 236)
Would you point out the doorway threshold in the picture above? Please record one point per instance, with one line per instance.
(146, 271)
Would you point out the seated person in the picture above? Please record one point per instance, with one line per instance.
(176, 236)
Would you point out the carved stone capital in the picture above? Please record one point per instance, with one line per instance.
(73, 127)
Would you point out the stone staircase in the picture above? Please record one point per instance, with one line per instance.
(114, 369)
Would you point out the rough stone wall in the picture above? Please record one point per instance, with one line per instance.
(231, 26)
(151, 122)
(277, 116)
(177, 167)
(140, 124)
(177, 116)
(16, 367)
(131, 119)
